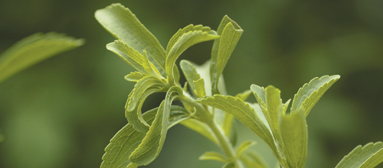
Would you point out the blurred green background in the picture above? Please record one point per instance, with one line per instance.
(63, 111)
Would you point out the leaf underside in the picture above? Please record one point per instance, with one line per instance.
(243, 112)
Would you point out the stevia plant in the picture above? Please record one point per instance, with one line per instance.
(206, 107)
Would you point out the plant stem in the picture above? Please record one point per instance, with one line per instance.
(206, 117)
(223, 141)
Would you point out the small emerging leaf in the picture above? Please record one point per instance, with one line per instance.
(213, 156)
(200, 88)
(309, 94)
(229, 32)
(367, 156)
(244, 146)
(124, 25)
(244, 95)
(134, 76)
(34, 49)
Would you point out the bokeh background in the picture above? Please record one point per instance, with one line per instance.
(63, 111)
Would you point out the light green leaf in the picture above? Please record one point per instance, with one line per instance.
(143, 88)
(128, 54)
(243, 112)
(244, 95)
(229, 32)
(244, 146)
(213, 156)
(127, 139)
(132, 165)
(367, 156)
(184, 39)
(151, 145)
(260, 95)
(200, 88)
(251, 159)
(34, 49)
(190, 73)
(199, 127)
(309, 94)
(293, 129)
(134, 76)
(270, 102)
(226, 119)
(124, 25)
(227, 123)
(150, 68)
(274, 111)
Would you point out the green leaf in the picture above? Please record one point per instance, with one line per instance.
(294, 136)
(127, 139)
(199, 127)
(190, 73)
(225, 120)
(251, 159)
(151, 145)
(260, 96)
(128, 54)
(228, 118)
(367, 156)
(244, 95)
(150, 68)
(243, 112)
(229, 32)
(213, 156)
(270, 102)
(134, 76)
(227, 123)
(309, 94)
(200, 88)
(34, 49)
(143, 88)
(124, 25)
(184, 39)
(244, 146)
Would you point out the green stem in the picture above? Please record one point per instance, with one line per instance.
(203, 115)
(222, 140)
